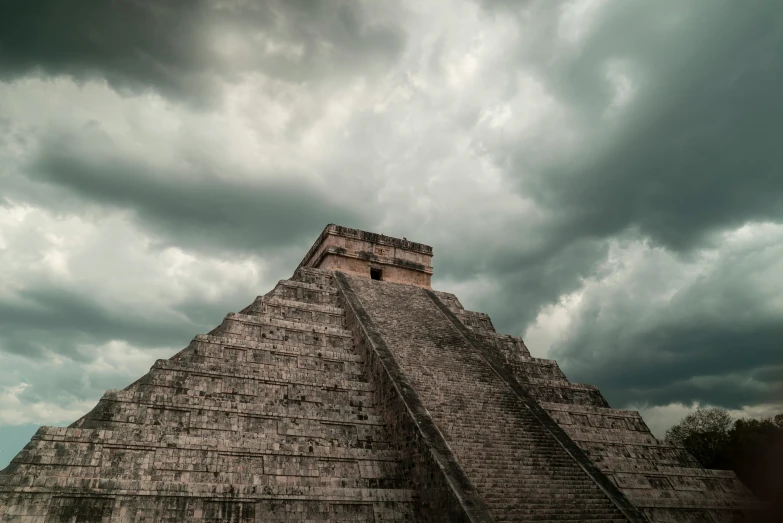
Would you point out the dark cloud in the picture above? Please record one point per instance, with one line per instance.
(43, 320)
(184, 48)
(716, 339)
(529, 278)
(193, 207)
(699, 362)
(697, 150)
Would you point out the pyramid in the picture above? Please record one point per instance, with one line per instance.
(355, 392)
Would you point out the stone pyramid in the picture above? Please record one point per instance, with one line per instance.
(354, 392)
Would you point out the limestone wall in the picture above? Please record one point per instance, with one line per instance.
(360, 266)
(356, 252)
(270, 417)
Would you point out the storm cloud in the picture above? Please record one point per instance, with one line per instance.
(188, 205)
(182, 48)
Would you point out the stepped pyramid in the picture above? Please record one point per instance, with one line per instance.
(354, 392)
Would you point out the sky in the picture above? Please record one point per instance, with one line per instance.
(603, 177)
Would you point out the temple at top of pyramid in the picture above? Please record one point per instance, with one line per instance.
(354, 392)
(372, 255)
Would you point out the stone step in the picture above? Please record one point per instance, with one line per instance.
(271, 407)
(264, 328)
(306, 292)
(234, 360)
(299, 370)
(313, 275)
(606, 435)
(224, 468)
(532, 491)
(276, 323)
(237, 468)
(586, 409)
(322, 287)
(545, 495)
(267, 393)
(271, 410)
(592, 518)
(251, 361)
(512, 463)
(599, 421)
(542, 514)
(334, 436)
(576, 508)
(561, 384)
(535, 368)
(216, 379)
(155, 437)
(213, 346)
(282, 491)
(545, 391)
(298, 311)
(28, 508)
(646, 466)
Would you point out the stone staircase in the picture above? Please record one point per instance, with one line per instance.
(662, 480)
(520, 470)
(269, 417)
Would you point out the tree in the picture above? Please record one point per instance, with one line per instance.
(752, 448)
(705, 420)
(755, 453)
(705, 434)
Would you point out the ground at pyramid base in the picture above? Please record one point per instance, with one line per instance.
(355, 392)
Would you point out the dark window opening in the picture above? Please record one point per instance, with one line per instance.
(375, 274)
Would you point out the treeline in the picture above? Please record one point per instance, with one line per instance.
(752, 448)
